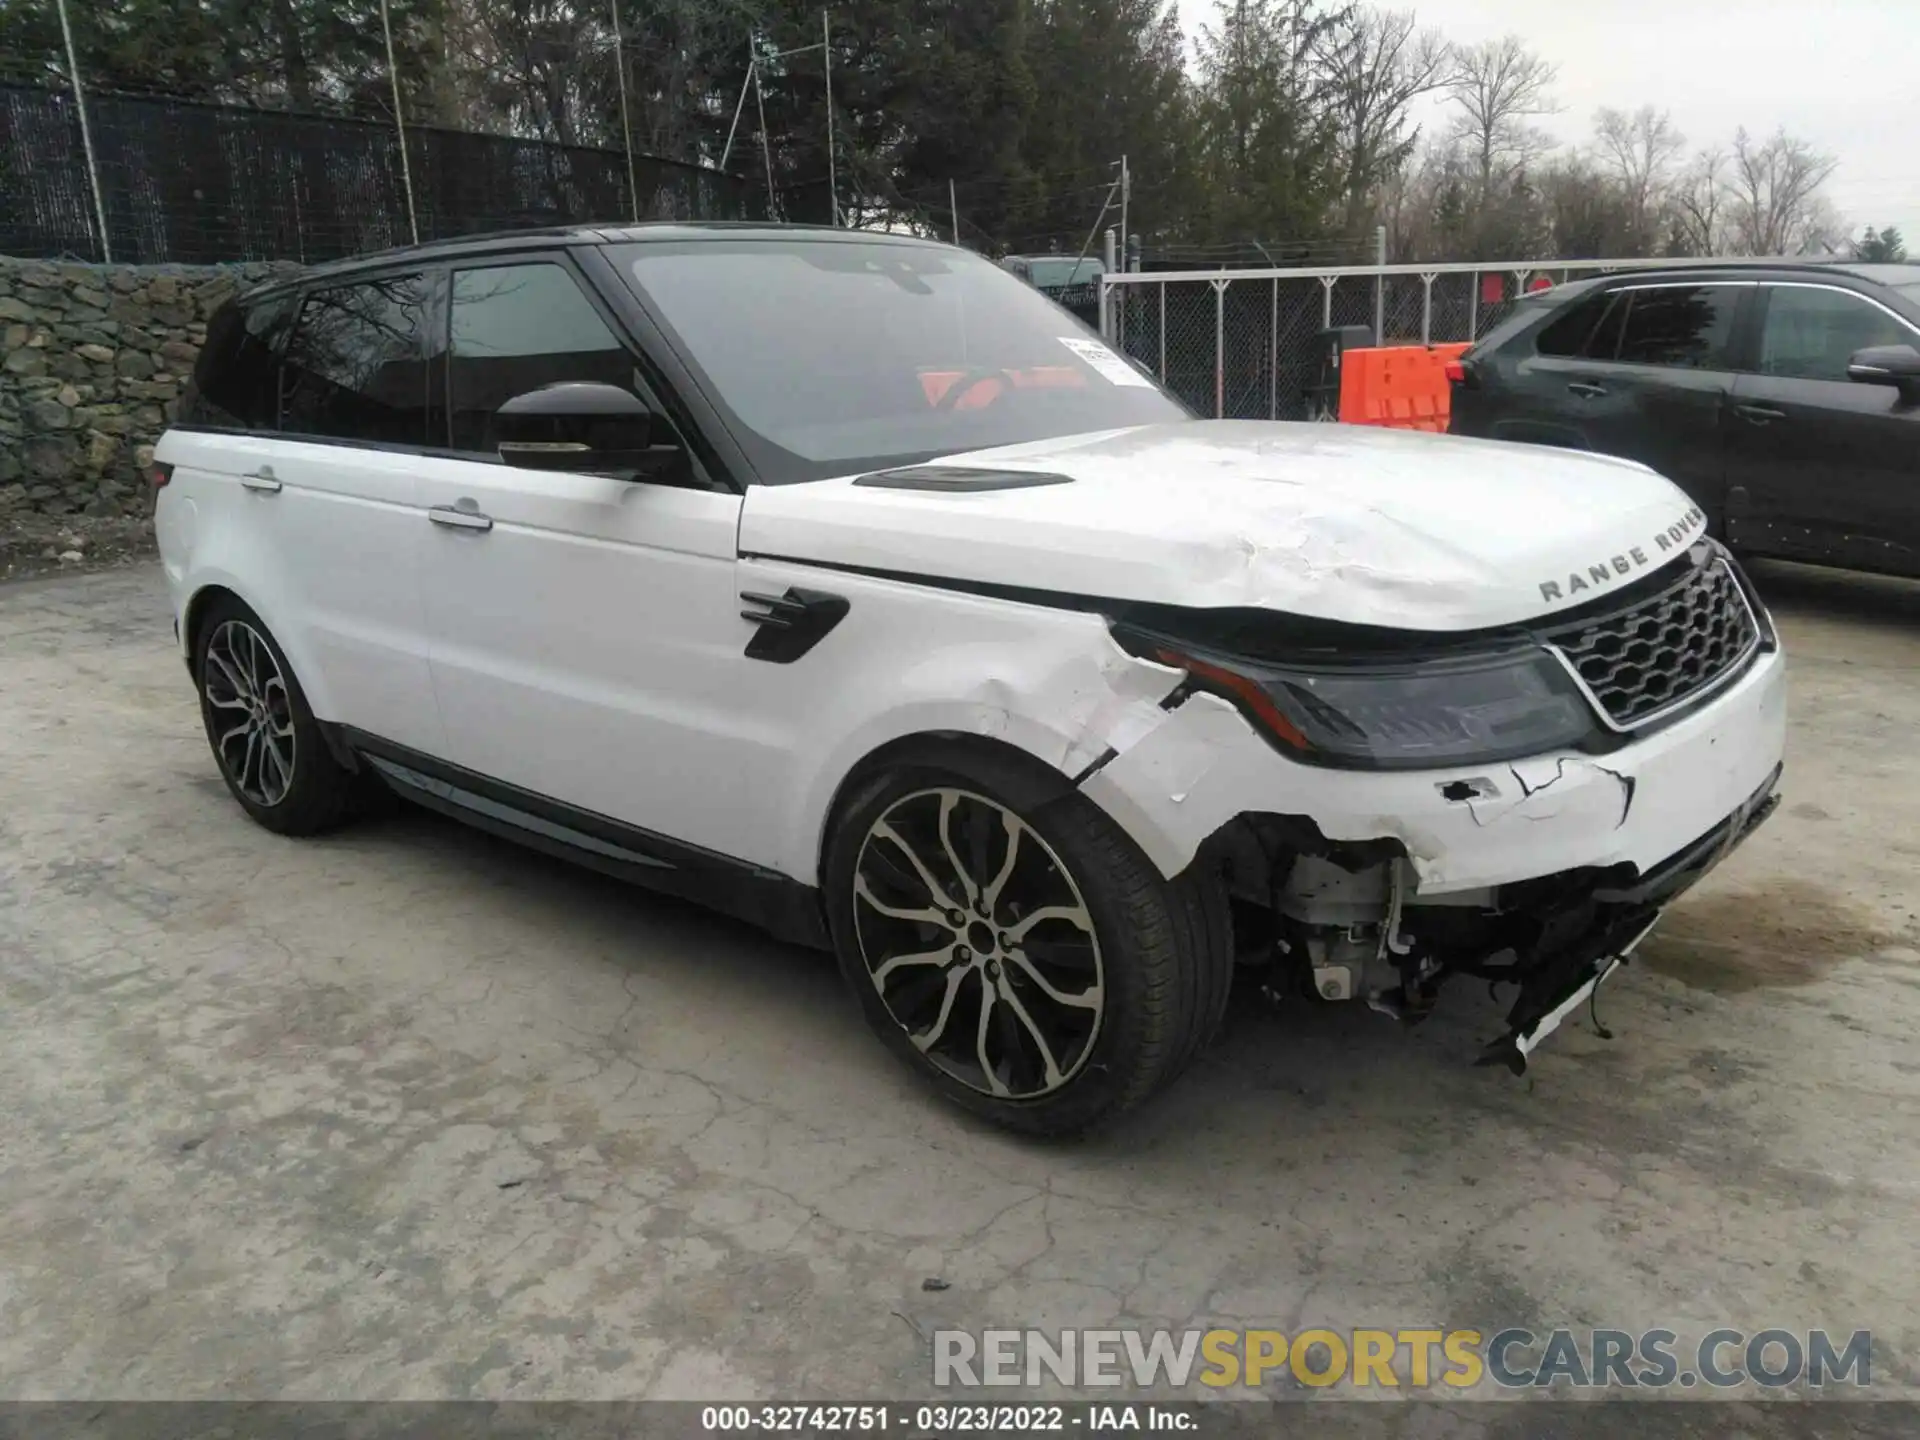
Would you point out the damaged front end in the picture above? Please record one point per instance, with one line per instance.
(1516, 805)
(1340, 920)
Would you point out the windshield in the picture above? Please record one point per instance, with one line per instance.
(830, 356)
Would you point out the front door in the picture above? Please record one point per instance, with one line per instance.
(1823, 468)
(587, 643)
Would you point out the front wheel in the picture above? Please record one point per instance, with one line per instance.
(1012, 944)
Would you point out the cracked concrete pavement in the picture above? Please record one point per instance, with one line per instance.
(409, 1112)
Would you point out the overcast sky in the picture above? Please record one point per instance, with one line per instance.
(1842, 73)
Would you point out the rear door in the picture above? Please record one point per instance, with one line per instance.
(1823, 468)
(1517, 384)
(311, 505)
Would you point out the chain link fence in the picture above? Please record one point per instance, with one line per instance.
(1247, 344)
(193, 183)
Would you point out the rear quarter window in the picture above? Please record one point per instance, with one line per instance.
(236, 380)
(1589, 329)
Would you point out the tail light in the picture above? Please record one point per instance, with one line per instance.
(1456, 372)
(160, 473)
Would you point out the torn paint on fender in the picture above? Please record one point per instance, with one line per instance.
(1105, 706)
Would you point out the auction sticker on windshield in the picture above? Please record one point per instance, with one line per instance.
(1105, 361)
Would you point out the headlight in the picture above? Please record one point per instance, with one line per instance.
(1405, 715)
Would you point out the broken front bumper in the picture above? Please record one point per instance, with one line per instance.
(1469, 828)
(1620, 917)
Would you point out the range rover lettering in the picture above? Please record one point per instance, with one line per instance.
(845, 583)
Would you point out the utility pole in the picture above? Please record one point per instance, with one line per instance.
(1113, 192)
(399, 125)
(86, 136)
(753, 63)
(833, 185)
(756, 64)
(953, 208)
(766, 145)
(626, 122)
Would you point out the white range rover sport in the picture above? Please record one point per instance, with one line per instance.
(847, 584)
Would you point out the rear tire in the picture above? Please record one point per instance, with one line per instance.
(1012, 944)
(262, 731)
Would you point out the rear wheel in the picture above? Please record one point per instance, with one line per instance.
(1013, 945)
(262, 731)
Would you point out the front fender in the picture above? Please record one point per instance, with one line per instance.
(914, 660)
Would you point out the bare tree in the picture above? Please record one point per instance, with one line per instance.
(1588, 211)
(1775, 206)
(1700, 204)
(1377, 63)
(1637, 152)
(1497, 88)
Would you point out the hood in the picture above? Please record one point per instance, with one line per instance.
(1346, 523)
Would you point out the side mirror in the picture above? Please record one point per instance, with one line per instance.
(579, 426)
(1897, 365)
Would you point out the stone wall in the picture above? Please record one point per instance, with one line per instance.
(92, 362)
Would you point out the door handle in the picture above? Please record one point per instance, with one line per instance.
(1759, 414)
(455, 518)
(1586, 389)
(262, 480)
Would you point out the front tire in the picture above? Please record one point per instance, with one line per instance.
(1009, 941)
(262, 731)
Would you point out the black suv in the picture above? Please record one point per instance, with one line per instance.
(1785, 398)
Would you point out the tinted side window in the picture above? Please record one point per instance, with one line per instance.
(516, 328)
(1688, 326)
(1568, 336)
(1809, 334)
(236, 379)
(354, 367)
(1604, 343)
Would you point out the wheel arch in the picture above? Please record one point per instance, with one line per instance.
(208, 588)
(195, 617)
(1029, 780)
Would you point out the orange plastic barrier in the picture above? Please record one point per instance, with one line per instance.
(1403, 387)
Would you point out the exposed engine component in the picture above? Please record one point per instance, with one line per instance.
(1347, 926)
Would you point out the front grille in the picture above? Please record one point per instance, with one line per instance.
(1654, 657)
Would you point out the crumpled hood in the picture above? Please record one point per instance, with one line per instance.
(1362, 525)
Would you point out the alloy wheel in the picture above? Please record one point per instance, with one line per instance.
(979, 943)
(250, 713)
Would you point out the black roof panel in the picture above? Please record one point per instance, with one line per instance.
(507, 240)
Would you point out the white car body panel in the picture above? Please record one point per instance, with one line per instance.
(1361, 525)
(329, 561)
(913, 661)
(588, 647)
